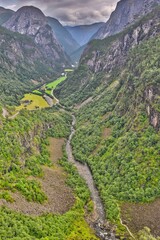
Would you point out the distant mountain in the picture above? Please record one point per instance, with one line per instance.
(76, 55)
(64, 37)
(126, 13)
(5, 14)
(32, 22)
(83, 33)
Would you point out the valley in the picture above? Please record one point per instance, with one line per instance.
(42, 97)
(80, 125)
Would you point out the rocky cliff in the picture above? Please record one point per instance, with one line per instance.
(126, 13)
(110, 53)
(106, 60)
(32, 22)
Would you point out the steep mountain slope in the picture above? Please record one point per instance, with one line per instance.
(83, 33)
(5, 14)
(21, 62)
(118, 131)
(64, 37)
(76, 55)
(126, 13)
(104, 57)
(32, 22)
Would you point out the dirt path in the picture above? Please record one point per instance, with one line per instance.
(14, 116)
(140, 215)
(5, 113)
(60, 196)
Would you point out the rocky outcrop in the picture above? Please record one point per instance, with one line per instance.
(151, 94)
(113, 55)
(32, 22)
(21, 57)
(114, 49)
(126, 13)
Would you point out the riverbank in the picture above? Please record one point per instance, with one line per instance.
(101, 227)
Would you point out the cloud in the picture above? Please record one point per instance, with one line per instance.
(69, 12)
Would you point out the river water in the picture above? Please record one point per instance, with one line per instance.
(99, 223)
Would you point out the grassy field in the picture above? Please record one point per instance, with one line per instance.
(68, 70)
(31, 102)
(37, 92)
(48, 88)
(54, 84)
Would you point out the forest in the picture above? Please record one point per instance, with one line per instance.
(24, 150)
(115, 135)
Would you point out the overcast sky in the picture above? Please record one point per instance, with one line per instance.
(69, 12)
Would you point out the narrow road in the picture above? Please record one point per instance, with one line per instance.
(84, 171)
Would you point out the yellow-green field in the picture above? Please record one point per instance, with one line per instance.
(68, 70)
(54, 84)
(31, 102)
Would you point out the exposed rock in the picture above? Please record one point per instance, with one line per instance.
(126, 13)
(116, 48)
(32, 22)
(19, 56)
(154, 115)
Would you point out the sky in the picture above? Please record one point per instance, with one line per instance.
(69, 12)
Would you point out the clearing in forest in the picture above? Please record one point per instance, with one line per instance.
(32, 102)
(51, 86)
(60, 196)
(140, 215)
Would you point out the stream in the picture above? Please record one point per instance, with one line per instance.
(100, 226)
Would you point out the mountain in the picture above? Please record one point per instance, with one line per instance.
(64, 37)
(116, 91)
(5, 14)
(126, 13)
(32, 22)
(21, 62)
(76, 55)
(105, 56)
(83, 33)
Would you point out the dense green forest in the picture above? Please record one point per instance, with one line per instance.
(21, 140)
(125, 160)
(23, 153)
(117, 135)
(22, 66)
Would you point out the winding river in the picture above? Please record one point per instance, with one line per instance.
(99, 224)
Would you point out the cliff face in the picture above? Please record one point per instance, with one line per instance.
(31, 21)
(126, 13)
(113, 51)
(104, 61)
(151, 96)
(19, 55)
